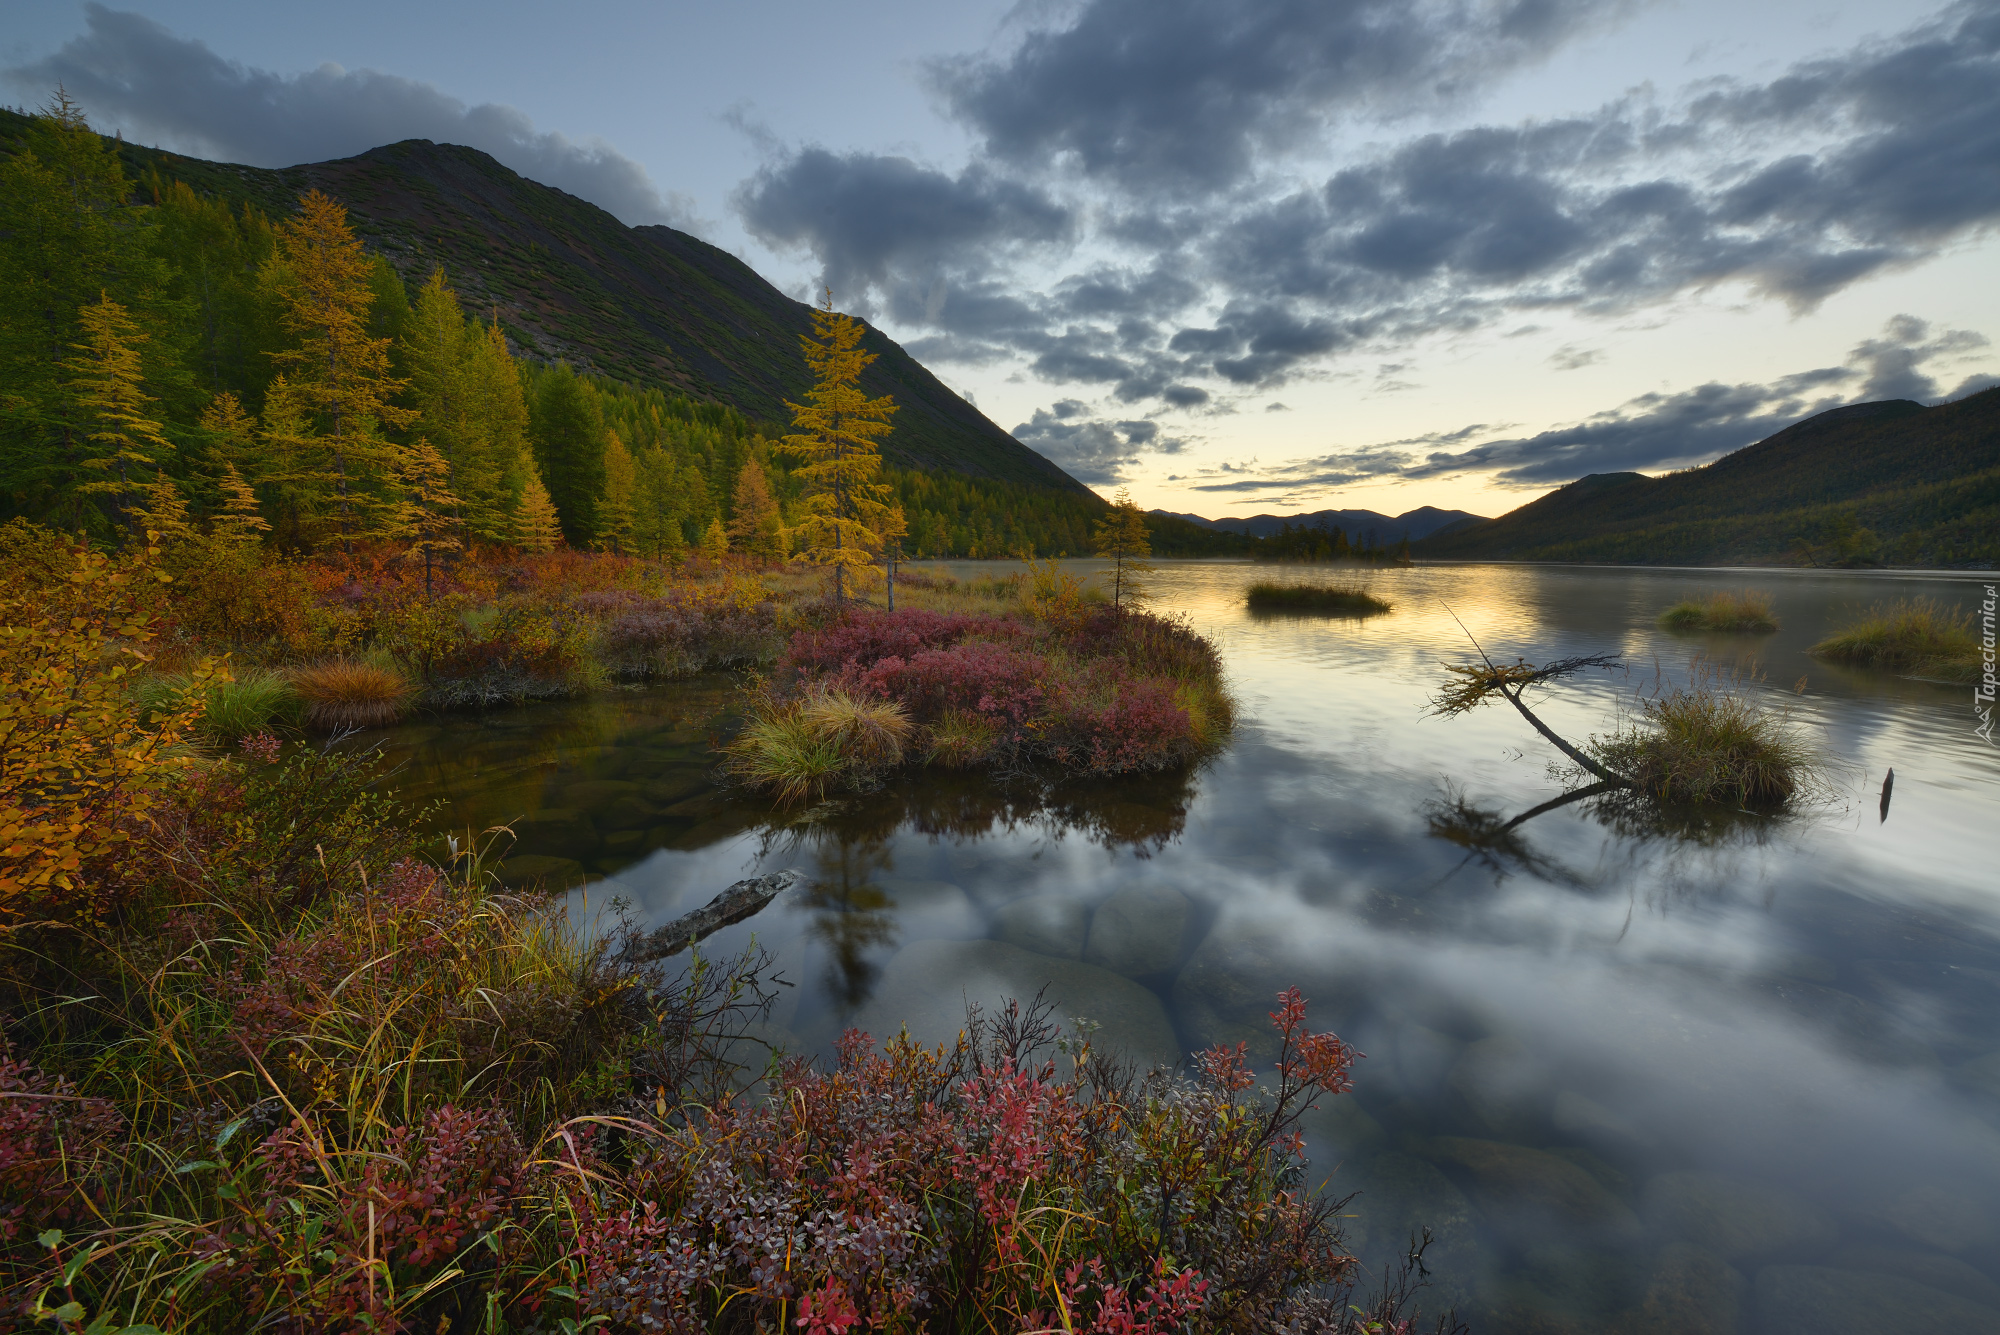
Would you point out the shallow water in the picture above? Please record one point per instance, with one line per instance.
(1739, 1075)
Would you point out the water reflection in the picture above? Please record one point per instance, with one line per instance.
(1640, 1069)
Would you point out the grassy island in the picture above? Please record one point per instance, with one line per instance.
(1330, 599)
(1740, 612)
(1918, 637)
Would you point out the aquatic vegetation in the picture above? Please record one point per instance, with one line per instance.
(1919, 637)
(1731, 611)
(800, 747)
(1705, 744)
(351, 693)
(1337, 599)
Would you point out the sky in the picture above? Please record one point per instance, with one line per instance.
(1268, 256)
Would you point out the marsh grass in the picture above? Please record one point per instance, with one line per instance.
(1709, 742)
(1741, 611)
(1331, 599)
(253, 701)
(1919, 637)
(799, 748)
(350, 693)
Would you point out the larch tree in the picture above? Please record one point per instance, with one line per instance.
(836, 435)
(754, 525)
(469, 405)
(658, 505)
(567, 425)
(336, 379)
(615, 514)
(538, 526)
(1121, 538)
(428, 512)
(121, 446)
(239, 525)
(714, 541)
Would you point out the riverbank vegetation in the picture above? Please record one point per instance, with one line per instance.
(1918, 637)
(1317, 543)
(1331, 599)
(1727, 611)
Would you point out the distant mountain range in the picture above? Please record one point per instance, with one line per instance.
(647, 305)
(1891, 483)
(1386, 529)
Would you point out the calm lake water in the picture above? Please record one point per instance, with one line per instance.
(1739, 1076)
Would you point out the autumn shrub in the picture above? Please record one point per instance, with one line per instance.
(351, 693)
(1332, 599)
(1739, 611)
(1918, 636)
(864, 638)
(679, 635)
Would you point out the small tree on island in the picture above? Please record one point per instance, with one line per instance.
(846, 509)
(1121, 538)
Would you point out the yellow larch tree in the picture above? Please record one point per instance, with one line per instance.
(615, 508)
(538, 528)
(107, 387)
(754, 526)
(1122, 539)
(837, 430)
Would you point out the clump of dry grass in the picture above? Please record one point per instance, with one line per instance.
(1738, 611)
(1336, 599)
(1917, 636)
(348, 693)
(1705, 743)
(801, 747)
(960, 740)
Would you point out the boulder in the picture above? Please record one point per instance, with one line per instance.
(1513, 1180)
(1501, 1086)
(1046, 924)
(591, 794)
(1941, 1218)
(1819, 1300)
(1230, 984)
(626, 812)
(555, 830)
(526, 868)
(1396, 1197)
(1138, 931)
(1948, 1273)
(1738, 1220)
(673, 785)
(1692, 1291)
(927, 984)
(1338, 1128)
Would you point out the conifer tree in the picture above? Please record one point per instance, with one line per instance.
(754, 527)
(539, 527)
(837, 432)
(567, 425)
(657, 506)
(164, 512)
(429, 512)
(336, 376)
(122, 445)
(615, 511)
(239, 526)
(714, 541)
(501, 409)
(468, 401)
(1122, 539)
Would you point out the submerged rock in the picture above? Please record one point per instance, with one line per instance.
(1941, 1218)
(1513, 1179)
(1398, 1197)
(1818, 1300)
(530, 867)
(673, 785)
(1692, 1291)
(927, 984)
(1939, 1272)
(1046, 924)
(1138, 931)
(1741, 1221)
(554, 829)
(590, 794)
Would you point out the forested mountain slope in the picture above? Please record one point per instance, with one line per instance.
(647, 305)
(1891, 482)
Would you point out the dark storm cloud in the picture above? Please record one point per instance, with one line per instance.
(1653, 431)
(1091, 451)
(1183, 94)
(130, 73)
(875, 221)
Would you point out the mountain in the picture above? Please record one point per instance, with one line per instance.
(1887, 482)
(647, 305)
(1418, 523)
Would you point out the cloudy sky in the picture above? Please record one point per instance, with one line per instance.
(1268, 255)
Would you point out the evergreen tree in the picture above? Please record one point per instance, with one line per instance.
(621, 481)
(714, 542)
(239, 525)
(837, 430)
(428, 516)
(468, 404)
(754, 526)
(540, 526)
(501, 410)
(1122, 539)
(657, 505)
(336, 384)
(212, 258)
(121, 445)
(567, 426)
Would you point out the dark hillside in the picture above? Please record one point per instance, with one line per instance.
(1892, 482)
(647, 305)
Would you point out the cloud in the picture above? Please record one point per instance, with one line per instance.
(1089, 450)
(132, 74)
(1187, 95)
(1651, 432)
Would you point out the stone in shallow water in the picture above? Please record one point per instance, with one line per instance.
(1046, 924)
(926, 985)
(1939, 1272)
(1818, 1300)
(1692, 1291)
(628, 812)
(590, 794)
(1399, 1196)
(555, 872)
(1229, 986)
(673, 785)
(1740, 1221)
(1513, 1179)
(1339, 1127)
(556, 830)
(1942, 1218)
(1138, 931)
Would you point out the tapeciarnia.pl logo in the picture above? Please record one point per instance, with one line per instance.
(1982, 694)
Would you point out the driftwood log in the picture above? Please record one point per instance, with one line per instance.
(733, 905)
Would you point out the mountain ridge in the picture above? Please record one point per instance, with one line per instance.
(1416, 524)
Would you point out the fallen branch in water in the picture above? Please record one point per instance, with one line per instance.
(733, 905)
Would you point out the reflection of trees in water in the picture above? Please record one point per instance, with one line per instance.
(850, 912)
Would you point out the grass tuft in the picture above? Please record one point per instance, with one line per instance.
(252, 702)
(344, 693)
(1739, 611)
(800, 748)
(1919, 637)
(1705, 744)
(961, 739)
(1335, 599)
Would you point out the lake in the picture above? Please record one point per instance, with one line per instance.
(1736, 1074)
